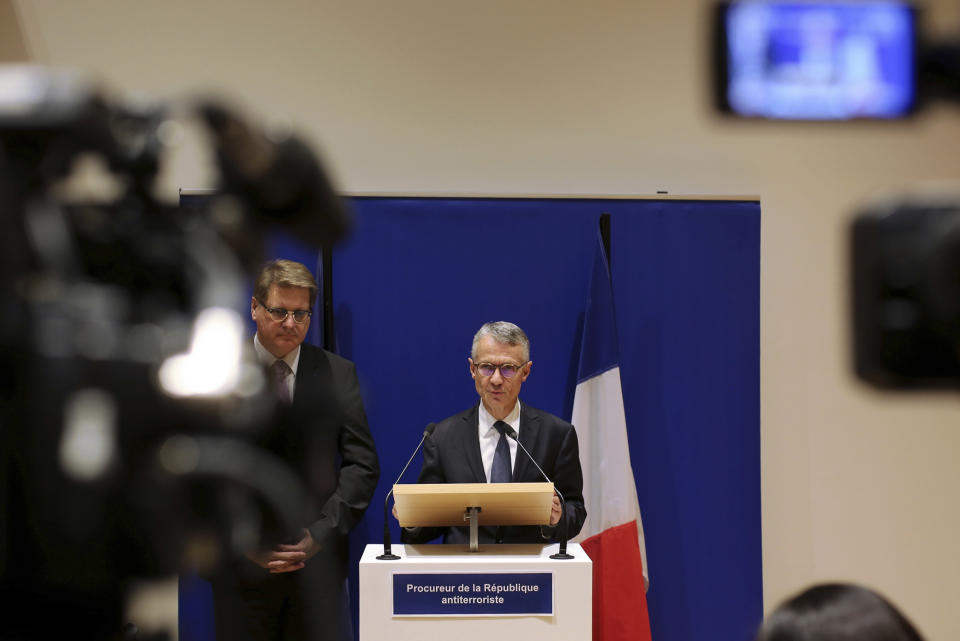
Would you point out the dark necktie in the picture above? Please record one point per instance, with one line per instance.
(280, 371)
(501, 472)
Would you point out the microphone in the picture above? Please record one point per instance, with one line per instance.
(562, 553)
(387, 552)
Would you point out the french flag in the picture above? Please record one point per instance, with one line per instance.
(612, 535)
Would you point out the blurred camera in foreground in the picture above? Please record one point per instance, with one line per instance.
(136, 427)
(905, 271)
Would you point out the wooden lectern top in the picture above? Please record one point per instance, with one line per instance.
(444, 504)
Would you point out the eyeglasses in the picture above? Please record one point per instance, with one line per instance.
(507, 370)
(280, 314)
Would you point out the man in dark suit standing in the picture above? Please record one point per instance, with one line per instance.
(472, 446)
(293, 589)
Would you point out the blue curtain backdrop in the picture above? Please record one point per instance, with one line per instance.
(418, 276)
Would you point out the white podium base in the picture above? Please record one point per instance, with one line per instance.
(572, 593)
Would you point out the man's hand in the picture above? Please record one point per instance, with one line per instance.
(555, 511)
(286, 557)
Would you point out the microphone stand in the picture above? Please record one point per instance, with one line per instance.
(387, 550)
(562, 552)
(388, 554)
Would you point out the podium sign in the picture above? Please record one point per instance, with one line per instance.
(473, 594)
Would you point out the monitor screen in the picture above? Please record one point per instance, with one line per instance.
(817, 61)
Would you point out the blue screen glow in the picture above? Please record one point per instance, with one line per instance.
(820, 61)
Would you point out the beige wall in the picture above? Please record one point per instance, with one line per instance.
(601, 97)
(12, 46)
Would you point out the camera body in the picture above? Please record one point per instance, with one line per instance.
(109, 473)
(905, 280)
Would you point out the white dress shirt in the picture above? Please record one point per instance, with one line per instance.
(489, 436)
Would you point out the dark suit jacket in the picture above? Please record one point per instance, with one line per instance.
(343, 472)
(452, 455)
(325, 438)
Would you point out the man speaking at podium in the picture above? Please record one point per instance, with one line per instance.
(473, 446)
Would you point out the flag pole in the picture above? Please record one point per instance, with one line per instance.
(605, 234)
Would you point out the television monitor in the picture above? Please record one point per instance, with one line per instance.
(816, 60)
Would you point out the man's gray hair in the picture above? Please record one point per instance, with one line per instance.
(502, 332)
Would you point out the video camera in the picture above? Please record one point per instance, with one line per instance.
(905, 282)
(134, 427)
(869, 60)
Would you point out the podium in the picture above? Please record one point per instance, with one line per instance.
(447, 592)
(509, 591)
(452, 504)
